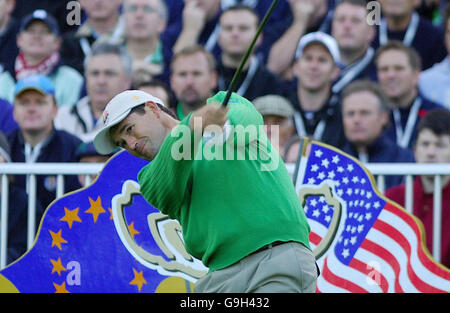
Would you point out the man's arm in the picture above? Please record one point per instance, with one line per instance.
(283, 50)
(210, 114)
(194, 19)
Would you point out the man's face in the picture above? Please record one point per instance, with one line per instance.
(105, 77)
(192, 80)
(37, 40)
(143, 19)
(431, 148)
(398, 8)
(101, 9)
(140, 134)
(350, 27)
(396, 76)
(315, 68)
(91, 159)
(237, 29)
(362, 118)
(284, 128)
(34, 112)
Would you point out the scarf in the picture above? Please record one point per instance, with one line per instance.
(45, 67)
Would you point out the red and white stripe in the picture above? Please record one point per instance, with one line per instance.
(393, 245)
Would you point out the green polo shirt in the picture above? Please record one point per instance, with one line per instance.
(227, 206)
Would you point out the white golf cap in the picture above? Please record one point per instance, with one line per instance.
(319, 37)
(116, 111)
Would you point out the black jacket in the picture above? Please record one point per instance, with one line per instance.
(384, 150)
(17, 222)
(61, 147)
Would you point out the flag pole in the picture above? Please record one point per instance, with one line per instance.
(238, 72)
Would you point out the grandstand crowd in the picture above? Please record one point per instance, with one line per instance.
(374, 84)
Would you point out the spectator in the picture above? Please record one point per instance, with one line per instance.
(432, 146)
(17, 209)
(196, 22)
(7, 122)
(86, 153)
(38, 41)
(9, 27)
(238, 26)
(318, 113)
(158, 89)
(145, 21)
(199, 25)
(279, 112)
(365, 113)
(108, 72)
(401, 22)
(398, 69)
(434, 83)
(193, 78)
(102, 19)
(57, 9)
(275, 26)
(307, 16)
(37, 141)
(354, 36)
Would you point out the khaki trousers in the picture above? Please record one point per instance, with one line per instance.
(288, 267)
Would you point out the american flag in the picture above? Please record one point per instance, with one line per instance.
(378, 246)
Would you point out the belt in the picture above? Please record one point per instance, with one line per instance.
(277, 243)
(270, 245)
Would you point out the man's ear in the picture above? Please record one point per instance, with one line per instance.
(153, 107)
(336, 72)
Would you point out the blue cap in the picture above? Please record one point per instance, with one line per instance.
(40, 83)
(40, 15)
(88, 149)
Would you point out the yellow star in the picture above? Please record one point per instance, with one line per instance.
(57, 266)
(110, 212)
(96, 208)
(138, 279)
(132, 230)
(60, 288)
(57, 239)
(70, 216)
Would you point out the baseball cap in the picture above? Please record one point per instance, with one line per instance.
(86, 149)
(319, 37)
(274, 105)
(40, 15)
(40, 83)
(116, 111)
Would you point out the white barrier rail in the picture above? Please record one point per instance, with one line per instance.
(31, 170)
(379, 170)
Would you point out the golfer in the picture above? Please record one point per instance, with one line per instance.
(241, 217)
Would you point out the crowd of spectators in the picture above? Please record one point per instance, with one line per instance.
(323, 69)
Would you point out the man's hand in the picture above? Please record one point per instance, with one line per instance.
(302, 9)
(211, 114)
(194, 17)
